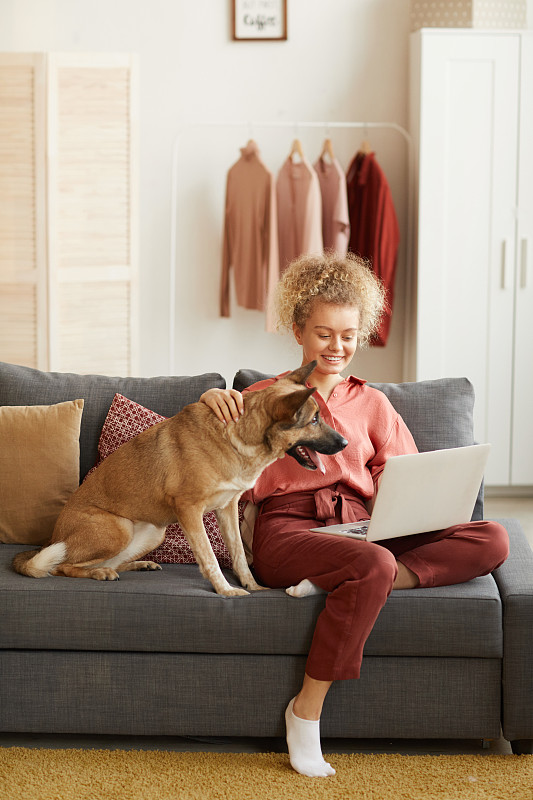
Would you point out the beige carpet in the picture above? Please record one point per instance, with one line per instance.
(36, 774)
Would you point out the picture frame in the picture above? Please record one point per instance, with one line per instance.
(259, 20)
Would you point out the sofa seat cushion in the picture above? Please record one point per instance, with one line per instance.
(23, 386)
(176, 610)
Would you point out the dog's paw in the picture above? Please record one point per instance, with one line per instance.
(234, 592)
(255, 587)
(104, 574)
(304, 589)
(147, 565)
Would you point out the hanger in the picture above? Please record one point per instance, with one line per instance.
(296, 150)
(365, 148)
(327, 151)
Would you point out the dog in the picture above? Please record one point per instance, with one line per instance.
(176, 471)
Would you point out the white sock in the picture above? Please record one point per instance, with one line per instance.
(304, 589)
(303, 740)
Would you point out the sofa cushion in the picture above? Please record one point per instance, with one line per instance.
(439, 413)
(39, 468)
(126, 419)
(165, 395)
(177, 611)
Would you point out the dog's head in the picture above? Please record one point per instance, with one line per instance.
(297, 428)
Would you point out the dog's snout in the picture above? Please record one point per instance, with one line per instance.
(340, 443)
(330, 444)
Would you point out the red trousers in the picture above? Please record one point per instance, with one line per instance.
(359, 575)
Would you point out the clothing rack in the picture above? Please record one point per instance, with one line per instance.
(250, 127)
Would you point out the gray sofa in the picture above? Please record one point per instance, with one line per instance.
(160, 653)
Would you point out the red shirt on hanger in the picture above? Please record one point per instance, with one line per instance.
(374, 229)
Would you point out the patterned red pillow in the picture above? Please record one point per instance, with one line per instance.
(125, 419)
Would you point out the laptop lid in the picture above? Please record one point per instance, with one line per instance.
(427, 491)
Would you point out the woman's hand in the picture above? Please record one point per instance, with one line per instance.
(227, 404)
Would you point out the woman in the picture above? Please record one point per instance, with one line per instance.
(333, 305)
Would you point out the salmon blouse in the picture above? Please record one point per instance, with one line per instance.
(374, 430)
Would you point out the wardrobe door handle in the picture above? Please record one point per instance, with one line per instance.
(523, 263)
(505, 248)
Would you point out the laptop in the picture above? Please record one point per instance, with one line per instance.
(421, 492)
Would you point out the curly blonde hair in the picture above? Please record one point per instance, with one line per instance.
(330, 278)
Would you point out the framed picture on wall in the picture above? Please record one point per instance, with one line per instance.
(259, 20)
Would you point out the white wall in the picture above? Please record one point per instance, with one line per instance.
(344, 60)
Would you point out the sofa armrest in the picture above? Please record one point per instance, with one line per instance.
(515, 583)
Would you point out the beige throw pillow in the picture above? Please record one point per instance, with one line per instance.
(39, 468)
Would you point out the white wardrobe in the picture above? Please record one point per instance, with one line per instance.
(472, 125)
(69, 211)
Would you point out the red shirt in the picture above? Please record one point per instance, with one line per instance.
(375, 233)
(374, 430)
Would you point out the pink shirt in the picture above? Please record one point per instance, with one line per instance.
(299, 212)
(374, 430)
(335, 218)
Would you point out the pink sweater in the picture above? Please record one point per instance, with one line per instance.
(250, 233)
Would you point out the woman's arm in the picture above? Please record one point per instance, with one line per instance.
(227, 404)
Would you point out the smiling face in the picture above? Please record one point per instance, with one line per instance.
(329, 336)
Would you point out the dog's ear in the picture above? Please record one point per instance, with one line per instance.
(301, 375)
(286, 407)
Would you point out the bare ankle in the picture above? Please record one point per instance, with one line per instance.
(406, 578)
(310, 699)
(306, 710)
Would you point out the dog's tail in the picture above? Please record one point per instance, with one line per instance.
(38, 563)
